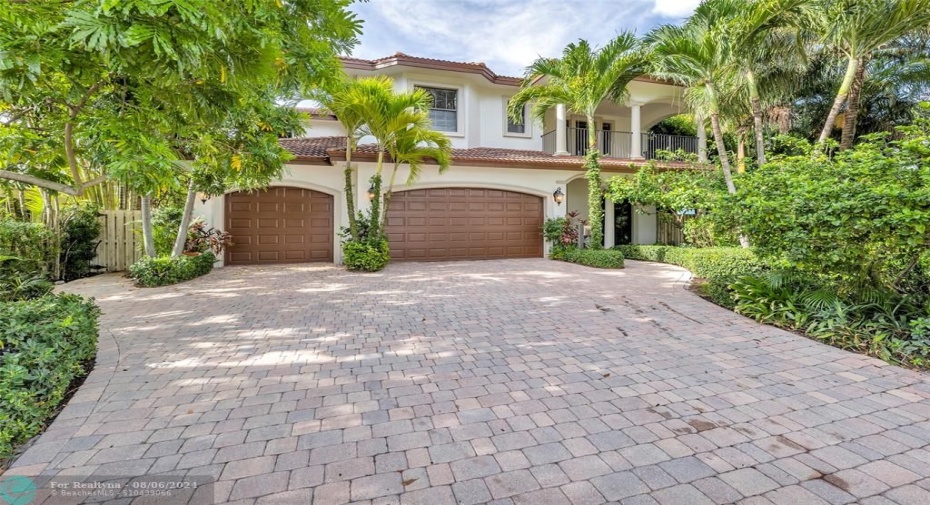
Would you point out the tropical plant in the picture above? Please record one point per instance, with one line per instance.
(201, 239)
(761, 39)
(115, 92)
(855, 29)
(400, 125)
(581, 80)
(694, 56)
(562, 232)
(413, 147)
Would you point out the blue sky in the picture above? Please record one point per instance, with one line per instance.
(507, 35)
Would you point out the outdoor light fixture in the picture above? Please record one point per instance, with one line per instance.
(203, 197)
(371, 192)
(558, 195)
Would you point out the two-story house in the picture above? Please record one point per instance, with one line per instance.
(507, 177)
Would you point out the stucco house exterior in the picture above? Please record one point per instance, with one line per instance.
(490, 204)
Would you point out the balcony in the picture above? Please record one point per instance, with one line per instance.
(616, 144)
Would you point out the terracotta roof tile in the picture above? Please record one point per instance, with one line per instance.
(315, 147)
(331, 149)
(432, 63)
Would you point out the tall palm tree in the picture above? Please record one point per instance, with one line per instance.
(694, 56)
(350, 100)
(394, 120)
(762, 38)
(581, 79)
(856, 28)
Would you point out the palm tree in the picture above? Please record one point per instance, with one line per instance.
(694, 56)
(581, 79)
(350, 101)
(762, 38)
(413, 147)
(394, 120)
(856, 28)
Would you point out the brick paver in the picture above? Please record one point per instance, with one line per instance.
(523, 381)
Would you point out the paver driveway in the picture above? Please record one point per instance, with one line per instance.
(524, 381)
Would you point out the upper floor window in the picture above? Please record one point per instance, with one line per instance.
(443, 110)
(517, 126)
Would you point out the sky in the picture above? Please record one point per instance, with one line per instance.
(507, 35)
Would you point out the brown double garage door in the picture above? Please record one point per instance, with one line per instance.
(464, 223)
(294, 225)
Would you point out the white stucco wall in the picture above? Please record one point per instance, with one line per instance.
(324, 128)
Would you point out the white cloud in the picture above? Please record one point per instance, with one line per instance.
(507, 35)
(675, 8)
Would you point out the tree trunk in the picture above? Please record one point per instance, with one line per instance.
(851, 68)
(725, 164)
(181, 238)
(756, 105)
(374, 230)
(387, 197)
(722, 152)
(595, 192)
(148, 239)
(349, 191)
(741, 152)
(852, 109)
(702, 138)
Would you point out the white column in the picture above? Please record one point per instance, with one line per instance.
(636, 129)
(561, 139)
(609, 228)
(702, 138)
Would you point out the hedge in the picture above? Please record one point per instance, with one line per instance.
(163, 271)
(718, 266)
(45, 345)
(597, 258)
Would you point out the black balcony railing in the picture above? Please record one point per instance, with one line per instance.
(617, 144)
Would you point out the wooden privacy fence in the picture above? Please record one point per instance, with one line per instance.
(668, 232)
(120, 239)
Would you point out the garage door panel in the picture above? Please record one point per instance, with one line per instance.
(279, 225)
(464, 223)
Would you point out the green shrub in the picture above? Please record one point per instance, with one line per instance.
(163, 271)
(165, 224)
(717, 266)
(80, 232)
(366, 255)
(45, 344)
(597, 258)
(17, 283)
(34, 245)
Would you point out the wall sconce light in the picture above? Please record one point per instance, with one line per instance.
(371, 192)
(558, 195)
(203, 197)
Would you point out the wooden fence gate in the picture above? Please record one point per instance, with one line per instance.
(120, 239)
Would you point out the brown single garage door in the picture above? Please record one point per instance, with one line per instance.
(464, 223)
(279, 225)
